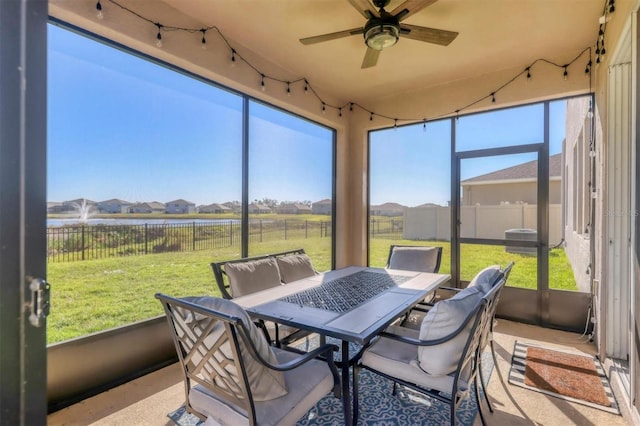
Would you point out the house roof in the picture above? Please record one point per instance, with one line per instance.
(520, 172)
(115, 201)
(325, 201)
(217, 206)
(388, 206)
(181, 201)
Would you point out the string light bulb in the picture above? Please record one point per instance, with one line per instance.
(262, 85)
(371, 117)
(288, 88)
(493, 97)
(587, 69)
(159, 35)
(339, 112)
(350, 106)
(99, 9)
(395, 123)
(324, 108)
(565, 74)
(306, 86)
(424, 125)
(233, 57)
(204, 39)
(528, 73)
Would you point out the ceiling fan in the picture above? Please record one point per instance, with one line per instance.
(383, 28)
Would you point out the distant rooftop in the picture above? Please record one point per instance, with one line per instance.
(521, 171)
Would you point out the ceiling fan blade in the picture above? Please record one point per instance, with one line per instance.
(331, 36)
(410, 7)
(430, 35)
(370, 58)
(365, 8)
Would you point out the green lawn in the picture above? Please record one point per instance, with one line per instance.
(95, 295)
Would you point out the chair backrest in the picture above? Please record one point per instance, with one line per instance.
(209, 351)
(482, 320)
(498, 285)
(414, 258)
(222, 278)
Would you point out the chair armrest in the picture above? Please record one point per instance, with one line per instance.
(433, 342)
(306, 357)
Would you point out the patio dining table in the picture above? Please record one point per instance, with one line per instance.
(352, 304)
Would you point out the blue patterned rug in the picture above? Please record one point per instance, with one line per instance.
(379, 407)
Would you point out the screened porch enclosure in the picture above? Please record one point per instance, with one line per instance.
(493, 151)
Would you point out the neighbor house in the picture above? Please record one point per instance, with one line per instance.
(293, 208)
(180, 206)
(322, 207)
(214, 208)
(151, 207)
(512, 185)
(114, 206)
(387, 209)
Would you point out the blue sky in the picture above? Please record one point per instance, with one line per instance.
(411, 165)
(122, 127)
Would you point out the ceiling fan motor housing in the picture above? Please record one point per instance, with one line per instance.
(382, 32)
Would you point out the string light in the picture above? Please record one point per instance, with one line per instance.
(159, 35)
(99, 9)
(599, 51)
(424, 125)
(204, 40)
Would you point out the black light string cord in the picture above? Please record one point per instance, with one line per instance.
(600, 51)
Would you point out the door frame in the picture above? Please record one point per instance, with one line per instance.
(23, 129)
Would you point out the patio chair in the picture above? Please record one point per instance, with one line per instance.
(442, 359)
(415, 258)
(240, 277)
(231, 373)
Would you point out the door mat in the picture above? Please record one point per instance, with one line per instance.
(574, 377)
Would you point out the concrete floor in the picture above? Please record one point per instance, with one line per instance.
(147, 400)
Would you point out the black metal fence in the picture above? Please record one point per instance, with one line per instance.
(386, 227)
(84, 242)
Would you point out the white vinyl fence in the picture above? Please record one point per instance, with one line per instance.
(433, 223)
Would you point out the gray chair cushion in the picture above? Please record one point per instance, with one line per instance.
(441, 320)
(252, 276)
(295, 267)
(399, 359)
(307, 384)
(419, 259)
(485, 278)
(265, 383)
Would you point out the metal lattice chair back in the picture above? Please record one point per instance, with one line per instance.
(209, 350)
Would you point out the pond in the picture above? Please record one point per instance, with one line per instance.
(120, 221)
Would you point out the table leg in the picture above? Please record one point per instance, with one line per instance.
(346, 397)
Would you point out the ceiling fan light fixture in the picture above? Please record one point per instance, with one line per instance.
(381, 36)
